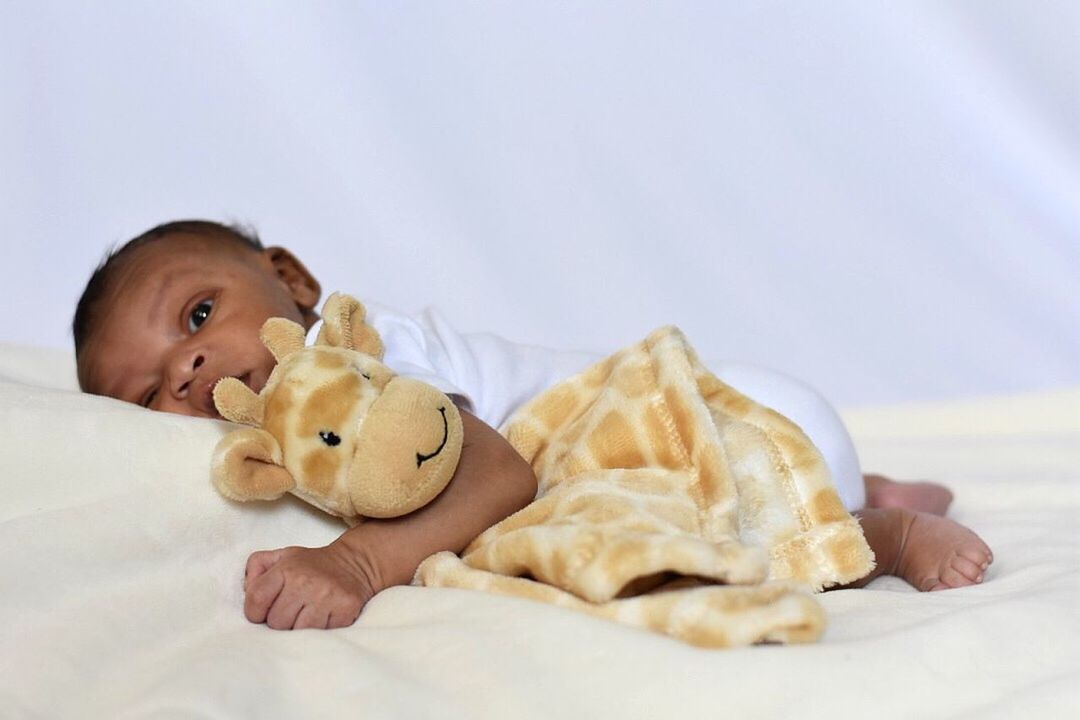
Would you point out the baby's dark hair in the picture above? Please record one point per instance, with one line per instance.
(83, 322)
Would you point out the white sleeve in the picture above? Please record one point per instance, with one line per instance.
(489, 375)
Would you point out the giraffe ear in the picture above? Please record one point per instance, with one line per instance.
(247, 465)
(344, 326)
(237, 402)
(282, 337)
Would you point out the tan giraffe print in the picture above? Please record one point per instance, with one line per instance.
(334, 426)
(668, 501)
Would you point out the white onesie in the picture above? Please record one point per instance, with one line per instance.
(490, 377)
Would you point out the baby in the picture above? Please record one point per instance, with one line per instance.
(181, 306)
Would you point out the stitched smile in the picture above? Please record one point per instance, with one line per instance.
(421, 459)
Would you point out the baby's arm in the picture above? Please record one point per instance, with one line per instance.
(326, 587)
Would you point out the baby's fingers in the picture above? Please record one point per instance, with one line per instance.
(312, 616)
(261, 594)
(343, 615)
(260, 562)
(283, 613)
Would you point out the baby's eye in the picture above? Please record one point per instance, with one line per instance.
(199, 314)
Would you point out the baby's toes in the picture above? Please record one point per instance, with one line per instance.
(968, 571)
(977, 552)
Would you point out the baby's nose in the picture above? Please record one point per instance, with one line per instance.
(195, 365)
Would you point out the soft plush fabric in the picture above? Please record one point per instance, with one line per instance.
(669, 501)
(120, 591)
(334, 426)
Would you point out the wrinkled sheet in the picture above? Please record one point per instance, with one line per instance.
(120, 590)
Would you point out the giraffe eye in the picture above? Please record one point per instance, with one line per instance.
(329, 438)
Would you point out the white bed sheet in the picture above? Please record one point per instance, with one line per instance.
(120, 591)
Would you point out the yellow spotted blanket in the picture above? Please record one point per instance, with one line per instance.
(669, 501)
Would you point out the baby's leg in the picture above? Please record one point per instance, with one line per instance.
(804, 406)
(900, 520)
(928, 551)
(882, 492)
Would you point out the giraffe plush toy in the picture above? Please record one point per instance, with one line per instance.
(335, 426)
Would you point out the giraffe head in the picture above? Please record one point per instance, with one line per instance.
(334, 426)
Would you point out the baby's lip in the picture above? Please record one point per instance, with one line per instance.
(206, 399)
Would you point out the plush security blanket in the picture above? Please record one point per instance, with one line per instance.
(669, 501)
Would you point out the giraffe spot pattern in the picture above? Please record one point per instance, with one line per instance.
(655, 477)
(328, 360)
(320, 470)
(555, 407)
(278, 408)
(614, 444)
(329, 406)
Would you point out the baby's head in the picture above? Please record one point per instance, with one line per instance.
(180, 307)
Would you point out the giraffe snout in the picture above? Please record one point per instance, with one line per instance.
(407, 451)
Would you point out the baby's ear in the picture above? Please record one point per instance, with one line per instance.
(343, 326)
(237, 402)
(247, 465)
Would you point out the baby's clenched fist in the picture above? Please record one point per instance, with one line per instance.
(297, 587)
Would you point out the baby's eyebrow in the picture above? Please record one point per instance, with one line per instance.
(157, 303)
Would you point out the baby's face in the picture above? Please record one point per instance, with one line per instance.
(181, 314)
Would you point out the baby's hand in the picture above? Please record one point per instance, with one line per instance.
(298, 587)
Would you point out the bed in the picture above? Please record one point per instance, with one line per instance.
(121, 594)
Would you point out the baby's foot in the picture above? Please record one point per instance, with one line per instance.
(881, 492)
(937, 553)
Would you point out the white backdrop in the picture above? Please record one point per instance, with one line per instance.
(880, 198)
